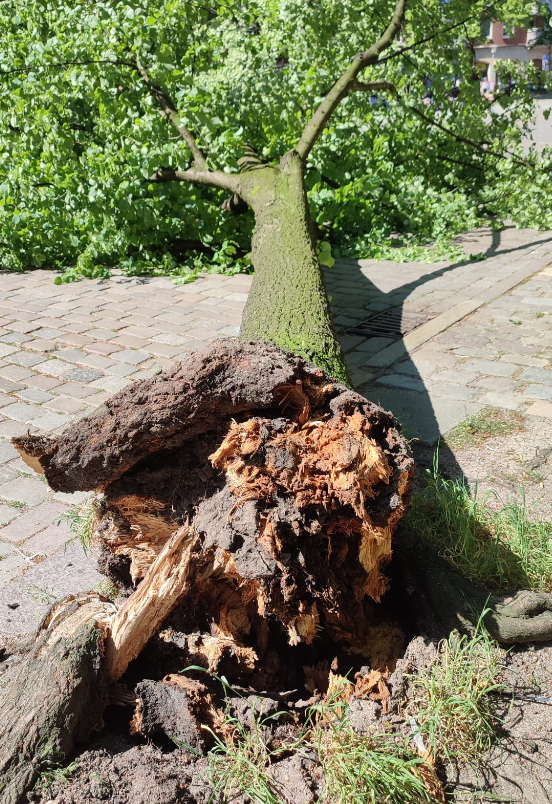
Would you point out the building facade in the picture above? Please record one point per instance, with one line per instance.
(499, 42)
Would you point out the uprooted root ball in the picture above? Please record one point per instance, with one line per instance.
(291, 484)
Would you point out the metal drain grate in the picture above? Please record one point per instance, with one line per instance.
(393, 323)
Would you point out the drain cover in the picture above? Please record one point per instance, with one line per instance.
(393, 323)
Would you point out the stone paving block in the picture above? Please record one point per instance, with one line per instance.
(47, 332)
(506, 401)
(536, 375)
(543, 409)
(402, 381)
(132, 356)
(51, 421)
(21, 412)
(7, 386)
(69, 355)
(41, 345)
(22, 326)
(42, 382)
(6, 349)
(139, 332)
(98, 362)
(7, 473)
(171, 339)
(519, 348)
(7, 452)
(163, 349)
(130, 342)
(536, 391)
(419, 369)
(492, 367)
(535, 301)
(109, 324)
(48, 541)
(15, 338)
(373, 345)
(112, 384)
(27, 358)
(74, 339)
(435, 357)
(34, 395)
(83, 375)
(65, 404)
(455, 376)
(55, 368)
(7, 514)
(24, 489)
(121, 369)
(25, 601)
(349, 342)
(76, 390)
(102, 348)
(524, 360)
(32, 522)
(11, 566)
(499, 384)
(458, 392)
(10, 428)
(15, 372)
(98, 399)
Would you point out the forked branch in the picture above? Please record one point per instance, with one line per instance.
(342, 86)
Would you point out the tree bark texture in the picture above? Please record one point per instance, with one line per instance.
(287, 304)
(54, 697)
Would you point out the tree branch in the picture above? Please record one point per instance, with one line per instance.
(482, 147)
(319, 119)
(211, 178)
(371, 86)
(115, 62)
(479, 146)
(427, 38)
(168, 110)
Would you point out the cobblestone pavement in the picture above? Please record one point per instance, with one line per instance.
(65, 349)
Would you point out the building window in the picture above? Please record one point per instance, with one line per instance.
(507, 32)
(486, 26)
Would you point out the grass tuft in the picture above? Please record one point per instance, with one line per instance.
(81, 519)
(239, 764)
(501, 550)
(357, 769)
(488, 423)
(56, 776)
(452, 701)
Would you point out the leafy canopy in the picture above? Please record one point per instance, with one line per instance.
(81, 132)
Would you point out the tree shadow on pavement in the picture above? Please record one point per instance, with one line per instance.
(400, 387)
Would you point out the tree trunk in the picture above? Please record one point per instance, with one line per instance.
(288, 304)
(54, 697)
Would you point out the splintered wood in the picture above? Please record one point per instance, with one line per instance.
(244, 490)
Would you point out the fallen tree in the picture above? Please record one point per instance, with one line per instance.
(248, 503)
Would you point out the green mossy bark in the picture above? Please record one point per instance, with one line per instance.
(288, 304)
(47, 703)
